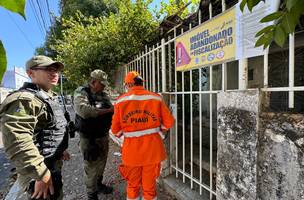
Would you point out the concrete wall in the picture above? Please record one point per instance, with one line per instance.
(237, 145)
(280, 157)
(260, 155)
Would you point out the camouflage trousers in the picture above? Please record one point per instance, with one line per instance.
(93, 170)
(17, 192)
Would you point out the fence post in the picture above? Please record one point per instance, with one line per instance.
(243, 74)
(163, 62)
(153, 69)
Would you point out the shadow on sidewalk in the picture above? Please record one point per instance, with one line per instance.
(74, 188)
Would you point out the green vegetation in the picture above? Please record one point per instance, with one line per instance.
(16, 6)
(109, 40)
(285, 21)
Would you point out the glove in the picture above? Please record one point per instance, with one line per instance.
(163, 135)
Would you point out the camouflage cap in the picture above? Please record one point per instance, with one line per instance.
(42, 61)
(100, 75)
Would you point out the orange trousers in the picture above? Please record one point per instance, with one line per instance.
(140, 176)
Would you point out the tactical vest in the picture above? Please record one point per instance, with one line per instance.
(52, 139)
(94, 127)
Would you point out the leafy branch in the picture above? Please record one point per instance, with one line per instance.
(285, 21)
(16, 6)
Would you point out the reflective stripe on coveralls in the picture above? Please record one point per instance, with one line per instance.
(141, 133)
(141, 115)
(138, 98)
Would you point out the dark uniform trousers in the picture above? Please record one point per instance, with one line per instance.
(93, 170)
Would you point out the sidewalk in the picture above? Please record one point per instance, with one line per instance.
(5, 180)
(74, 188)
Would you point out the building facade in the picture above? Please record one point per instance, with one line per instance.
(14, 78)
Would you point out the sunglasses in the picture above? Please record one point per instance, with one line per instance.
(48, 69)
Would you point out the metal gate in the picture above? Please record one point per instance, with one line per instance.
(193, 141)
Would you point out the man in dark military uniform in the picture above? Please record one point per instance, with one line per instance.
(35, 132)
(93, 118)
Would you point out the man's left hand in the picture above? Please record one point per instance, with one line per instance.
(66, 156)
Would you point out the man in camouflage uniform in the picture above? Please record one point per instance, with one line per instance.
(35, 132)
(93, 118)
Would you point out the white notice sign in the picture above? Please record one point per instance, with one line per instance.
(248, 24)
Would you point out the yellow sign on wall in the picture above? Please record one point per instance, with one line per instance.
(210, 43)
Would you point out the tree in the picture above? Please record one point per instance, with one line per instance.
(69, 8)
(173, 6)
(285, 21)
(94, 8)
(16, 6)
(104, 42)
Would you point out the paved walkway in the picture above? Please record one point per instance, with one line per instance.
(74, 188)
(4, 171)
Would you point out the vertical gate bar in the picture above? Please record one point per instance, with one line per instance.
(143, 66)
(135, 63)
(176, 124)
(153, 69)
(158, 78)
(130, 65)
(200, 131)
(137, 66)
(191, 127)
(224, 65)
(200, 118)
(210, 136)
(243, 74)
(266, 52)
(199, 17)
(147, 68)
(183, 113)
(210, 112)
(163, 50)
(170, 63)
(134, 67)
(224, 76)
(183, 106)
(191, 130)
(291, 69)
(150, 69)
(223, 5)
(140, 64)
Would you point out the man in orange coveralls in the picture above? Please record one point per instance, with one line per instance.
(142, 117)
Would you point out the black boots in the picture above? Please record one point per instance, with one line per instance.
(92, 196)
(102, 188)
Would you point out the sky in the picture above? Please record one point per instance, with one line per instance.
(21, 37)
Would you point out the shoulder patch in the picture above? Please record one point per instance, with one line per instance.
(23, 96)
(20, 112)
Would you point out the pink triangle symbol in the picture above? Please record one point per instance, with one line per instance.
(182, 57)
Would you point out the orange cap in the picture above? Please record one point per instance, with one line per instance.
(131, 76)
